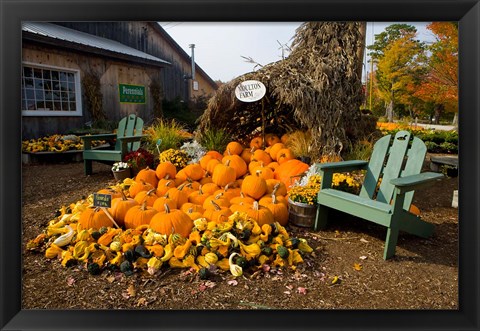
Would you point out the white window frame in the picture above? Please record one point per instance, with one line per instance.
(78, 92)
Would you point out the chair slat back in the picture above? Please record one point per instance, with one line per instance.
(375, 166)
(415, 159)
(394, 165)
(393, 157)
(130, 125)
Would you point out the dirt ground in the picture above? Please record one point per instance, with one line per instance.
(422, 275)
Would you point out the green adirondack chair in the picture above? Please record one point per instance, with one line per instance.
(395, 163)
(128, 136)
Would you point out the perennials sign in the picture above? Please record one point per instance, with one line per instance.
(131, 93)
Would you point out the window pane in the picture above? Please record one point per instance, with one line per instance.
(71, 77)
(56, 106)
(47, 85)
(56, 95)
(71, 87)
(30, 104)
(64, 96)
(65, 105)
(63, 76)
(73, 106)
(37, 73)
(40, 104)
(38, 83)
(30, 94)
(71, 96)
(46, 74)
(64, 86)
(48, 105)
(28, 82)
(39, 94)
(27, 72)
(55, 75)
(55, 85)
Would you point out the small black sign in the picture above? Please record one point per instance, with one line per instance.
(102, 200)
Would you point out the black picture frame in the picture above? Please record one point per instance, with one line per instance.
(466, 12)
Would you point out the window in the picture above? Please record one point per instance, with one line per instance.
(50, 91)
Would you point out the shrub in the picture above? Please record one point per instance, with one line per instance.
(214, 140)
(170, 132)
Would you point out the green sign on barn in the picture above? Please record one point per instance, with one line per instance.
(131, 93)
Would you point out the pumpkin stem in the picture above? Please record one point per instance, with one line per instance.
(151, 191)
(274, 199)
(215, 205)
(167, 209)
(144, 205)
(255, 206)
(275, 188)
(124, 197)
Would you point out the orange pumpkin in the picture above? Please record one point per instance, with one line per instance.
(164, 185)
(147, 175)
(187, 206)
(166, 168)
(256, 142)
(197, 197)
(262, 156)
(147, 196)
(289, 171)
(204, 161)
(217, 213)
(172, 221)
(279, 211)
(254, 186)
(284, 155)
(233, 148)
(139, 215)
(237, 163)
(212, 164)
(160, 203)
(178, 195)
(277, 186)
(263, 171)
(139, 186)
(94, 218)
(271, 139)
(119, 208)
(215, 154)
(260, 213)
(224, 174)
(210, 188)
(194, 171)
(216, 200)
(115, 193)
(242, 198)
(247, 154)
(275, 149)
(268, 198)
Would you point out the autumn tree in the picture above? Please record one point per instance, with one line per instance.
(440, 83)
(399, 64)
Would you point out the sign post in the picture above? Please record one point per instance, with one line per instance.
(104, 201)
(251, 91)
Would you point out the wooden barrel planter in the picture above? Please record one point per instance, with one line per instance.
(301, 214)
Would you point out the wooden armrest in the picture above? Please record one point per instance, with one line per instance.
(342, 166)
(413, 182)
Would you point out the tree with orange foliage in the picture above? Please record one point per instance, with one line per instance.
(440, 83)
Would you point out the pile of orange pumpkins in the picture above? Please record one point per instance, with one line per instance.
(252, 179)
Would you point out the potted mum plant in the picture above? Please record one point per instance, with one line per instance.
(139, 159)
(302, 200)
(121, 170)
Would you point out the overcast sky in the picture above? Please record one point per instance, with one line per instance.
(219, 47)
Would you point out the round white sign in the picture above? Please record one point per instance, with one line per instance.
(250, 91)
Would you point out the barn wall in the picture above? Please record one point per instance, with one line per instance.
(110, 72)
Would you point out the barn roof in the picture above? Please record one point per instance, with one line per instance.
(49, 32)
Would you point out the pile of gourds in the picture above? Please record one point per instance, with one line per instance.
(55, 143)
(227, 211)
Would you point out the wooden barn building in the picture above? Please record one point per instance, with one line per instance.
(82, 72)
